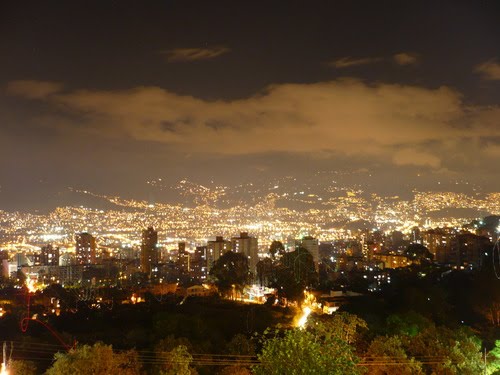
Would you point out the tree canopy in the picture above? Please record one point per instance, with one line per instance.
(298, 351)
(387, 356)
(175, 362)
(98, 359)
(276, 248)
(230, 269)
(493, 359)
(455, 351)
(418, 251)
(18, 367)
(294, 273)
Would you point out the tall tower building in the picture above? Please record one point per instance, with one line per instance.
(85, 248)
(149, 250)
(199, 263)
(248, 246)
(215, 249)
(416, 236)
(4, 263)
(311, 244)
(183, 258)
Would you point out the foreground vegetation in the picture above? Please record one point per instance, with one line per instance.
(202, 337)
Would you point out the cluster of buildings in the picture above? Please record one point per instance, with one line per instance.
(363, 263)
(98, 265)
(452, 247)
(92, 262)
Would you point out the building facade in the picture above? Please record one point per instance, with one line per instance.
(85, 248)
(248, 246)
(149, 249)
(215, 249)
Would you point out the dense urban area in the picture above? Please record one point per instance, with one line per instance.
(403, 286)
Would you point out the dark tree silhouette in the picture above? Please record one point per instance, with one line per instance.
(230, 269)
(276, 248)
(418, 251)
(265, 268)
(295, 272)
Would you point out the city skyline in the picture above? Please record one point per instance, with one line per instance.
(109, 96)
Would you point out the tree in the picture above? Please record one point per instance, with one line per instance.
(447, 351)
(287, 284)
(295, 272)
(276, 248)
(387, 356)
(240, 345)
(17, 367)
(98, 359)
(487, 303)
(176, 362)
(231, 269)
(410, 323)
(170, 342)
(299, 351)
(265, 269)
(235, 370)
(418, 251)
(243, 349)
(301, 263)
(493, 359)
(341, 325)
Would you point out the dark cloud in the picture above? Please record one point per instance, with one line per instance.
(347, 62)
(402, 58)
(194, 54)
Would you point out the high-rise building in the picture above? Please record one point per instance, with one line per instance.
(199, 263)
(416, 236)
(149, 250)
(312, 246)
(4, 263)
(183, 258)
(49, 256)
(468, 249)
(85, 248)
(438, 241)
(215, 249)
(248, 246)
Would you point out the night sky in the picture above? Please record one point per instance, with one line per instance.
(104, 95)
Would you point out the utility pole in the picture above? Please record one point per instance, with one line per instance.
(3, 369)
(484, 361)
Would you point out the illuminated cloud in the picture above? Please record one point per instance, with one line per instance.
(489, 70)
(405, 58)
(397, 124)
(492, 151)
(33, 89)
(417, 158)
(347, 62)
(194, 54)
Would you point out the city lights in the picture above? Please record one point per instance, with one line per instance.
(306, 311)
(186, 190)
